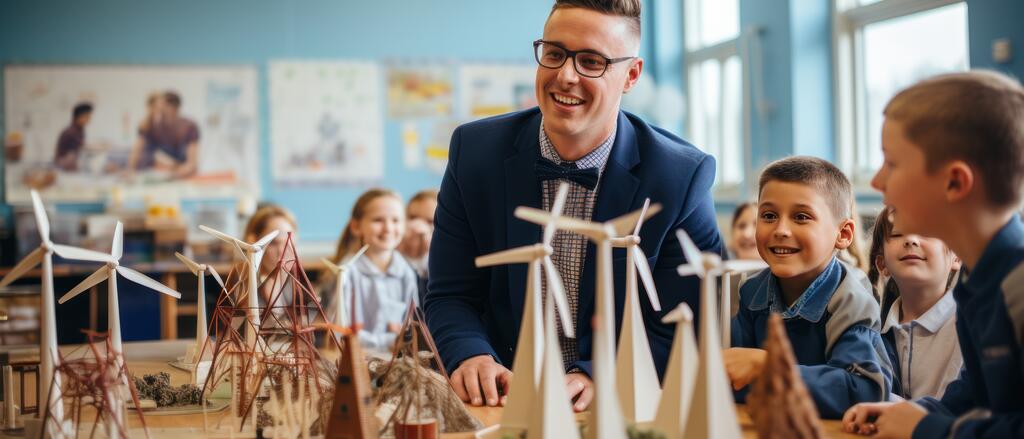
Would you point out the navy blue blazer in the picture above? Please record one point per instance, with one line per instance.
(472, 311)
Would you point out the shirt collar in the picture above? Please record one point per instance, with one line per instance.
(396, 268)
(994, 259)
(932, 320)
(594, 159)
(812, 303)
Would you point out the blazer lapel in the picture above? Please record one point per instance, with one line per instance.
(616, 192)
(521, 189)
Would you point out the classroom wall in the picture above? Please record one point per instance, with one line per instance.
(253, 32)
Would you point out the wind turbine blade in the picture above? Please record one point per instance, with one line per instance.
(518, 255)
(625, 223)
(42, 222)
(682, 313)
(117, 247)
(686, 270)
(744, 265)
(640, 259)
(691, 252)
(25, 265)
(93, 279)
(541, 217)
(146, 281)
(334, 269)
(216, 277)
(556, 290)
(556, 211)
(357, 255)
(266, 239)
(222, 236)
(643, 212)
(238, 251)
(192, 265)
(81, 254)
(560, 197)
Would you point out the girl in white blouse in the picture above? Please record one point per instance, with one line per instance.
(380, 284)
(918, 310)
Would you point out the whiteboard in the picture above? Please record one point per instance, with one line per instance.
(221, 100)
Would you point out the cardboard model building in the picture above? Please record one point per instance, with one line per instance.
(680, 376)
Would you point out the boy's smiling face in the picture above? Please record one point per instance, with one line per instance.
(797, 233)
(905, 183)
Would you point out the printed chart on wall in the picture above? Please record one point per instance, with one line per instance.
(192, 130)
(326, 122)
(492, 89)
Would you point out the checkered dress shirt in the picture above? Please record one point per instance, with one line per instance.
(570, 249)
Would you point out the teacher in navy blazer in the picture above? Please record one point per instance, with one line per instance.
(612, 160)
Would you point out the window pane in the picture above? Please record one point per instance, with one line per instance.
(730, 163)
(899, 52)
(709, 22)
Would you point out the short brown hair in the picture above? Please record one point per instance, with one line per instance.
(629, 9)
(823, 176)
(172, 98)
(975, 116)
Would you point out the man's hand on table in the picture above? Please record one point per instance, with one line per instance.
(580, 389)
(884, 419)
(477, 379)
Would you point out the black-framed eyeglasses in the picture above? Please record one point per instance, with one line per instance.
(586, 62)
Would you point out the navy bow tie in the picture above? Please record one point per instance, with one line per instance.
(549, 170)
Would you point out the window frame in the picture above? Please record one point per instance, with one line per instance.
(851, 125)
(721, 51)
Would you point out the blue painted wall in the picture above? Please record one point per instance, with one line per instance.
(989, 20)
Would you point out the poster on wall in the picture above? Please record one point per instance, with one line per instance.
(493, 89)
(76, 132)
(418, 90)
(326, 122)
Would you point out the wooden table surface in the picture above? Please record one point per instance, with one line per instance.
(152, 357)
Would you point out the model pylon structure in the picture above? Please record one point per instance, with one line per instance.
(200, 270)
(289, 323)
(637, 378)
(606, 420)
(252, 254)
(340, 315)
(526, 367)
(680, 376)
(416, 383)
(779, 402)
(232, 359)
(94, 375)
(712, 409)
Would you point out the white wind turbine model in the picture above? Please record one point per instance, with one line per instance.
(725, 298)
(637, 378)
(606, 417)
(252, 254)
(48, 329)
(527, 366)
(340, 315)
(195, 353)
(680, 376)
(712, 411)
(110, 273)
